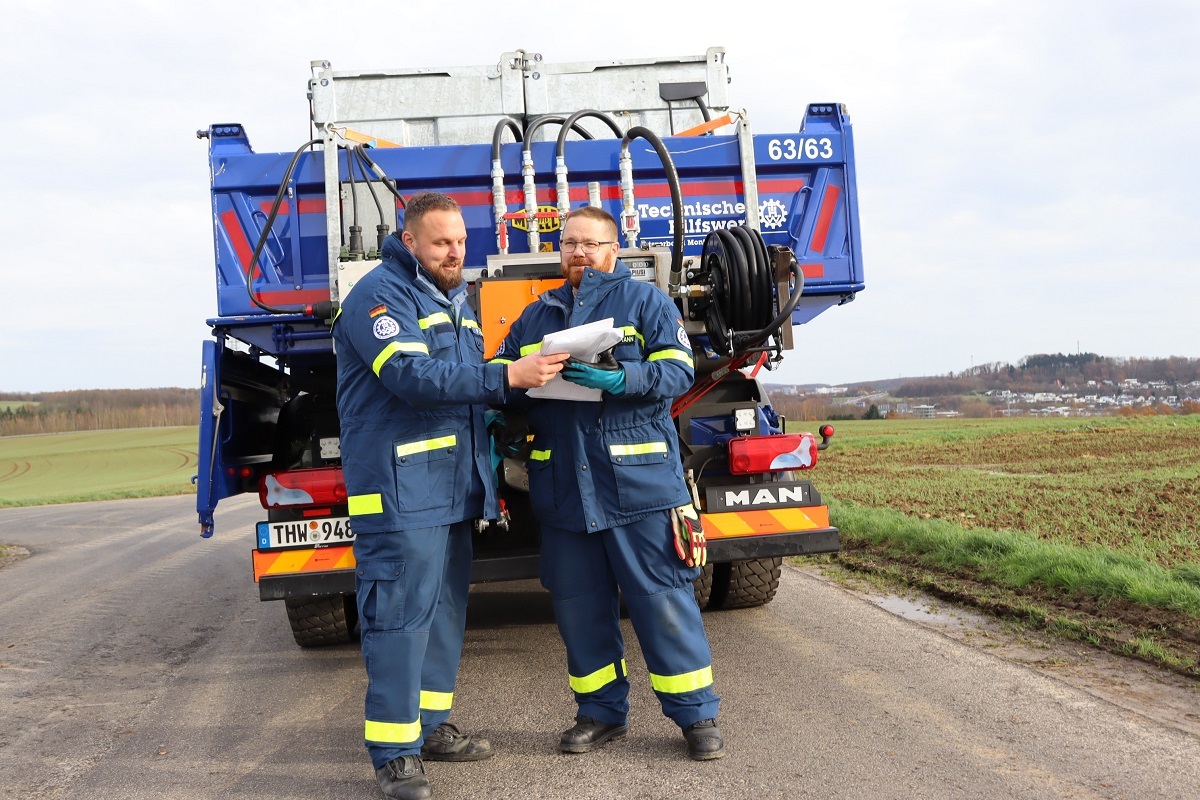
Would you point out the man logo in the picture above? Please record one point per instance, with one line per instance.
(755, 498)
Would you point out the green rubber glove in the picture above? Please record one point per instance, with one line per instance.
(608, 380)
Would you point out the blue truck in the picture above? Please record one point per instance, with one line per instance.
(751, 234)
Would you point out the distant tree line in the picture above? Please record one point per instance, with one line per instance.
(1048, 372)
(97, 409)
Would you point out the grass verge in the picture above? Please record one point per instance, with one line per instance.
(1114, 600)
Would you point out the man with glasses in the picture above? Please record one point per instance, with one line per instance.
(606, 483)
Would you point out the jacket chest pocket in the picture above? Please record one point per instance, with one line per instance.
(441, 340)
(426, 474)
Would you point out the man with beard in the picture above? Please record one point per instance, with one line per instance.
(606, 483)
(411, 392)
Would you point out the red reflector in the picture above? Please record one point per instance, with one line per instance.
(247, 472)
(826, 431)
(304, 487)
(753, 454)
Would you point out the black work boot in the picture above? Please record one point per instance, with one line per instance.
(404, 778)
(588, 734)
(704, 740)
(448, 743)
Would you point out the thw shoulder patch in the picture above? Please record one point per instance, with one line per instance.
(385, 328)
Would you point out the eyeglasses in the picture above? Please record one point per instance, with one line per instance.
(588, 248)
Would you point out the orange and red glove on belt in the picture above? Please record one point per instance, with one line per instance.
(690, 544)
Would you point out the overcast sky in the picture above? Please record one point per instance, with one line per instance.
(1027, 171)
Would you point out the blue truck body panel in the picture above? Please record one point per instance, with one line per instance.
(807, 201)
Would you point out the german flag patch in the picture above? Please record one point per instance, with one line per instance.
(377, 310)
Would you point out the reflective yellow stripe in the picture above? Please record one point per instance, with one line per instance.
(434, 319)
(436, 701)
(426, 445)
(397, 347)
(629, 330)
(681, 355)
(539, 455)
(637, 449)
(531, 348)
(393, 732)
(365, 504)
(501, 361)
(598, 679)
(470, 323)
(678, 684)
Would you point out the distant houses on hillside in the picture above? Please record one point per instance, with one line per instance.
(1097, 398)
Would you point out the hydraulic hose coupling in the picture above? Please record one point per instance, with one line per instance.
(535, 240)
(630, 224)
(499, 206)
(561, 188)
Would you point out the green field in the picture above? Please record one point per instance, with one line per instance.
(1088, 524)
(96, 465)
(1129, 484)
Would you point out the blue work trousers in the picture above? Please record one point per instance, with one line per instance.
(412, 607)
(584, 572)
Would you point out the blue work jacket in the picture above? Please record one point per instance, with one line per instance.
(596, 465)
(411, 392)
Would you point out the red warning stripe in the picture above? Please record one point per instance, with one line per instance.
(516, 196)
(821, 229)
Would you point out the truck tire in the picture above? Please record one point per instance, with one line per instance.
(319, 621)
(745, 584)
(703, 586)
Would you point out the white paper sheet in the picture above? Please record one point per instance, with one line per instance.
(584, 342)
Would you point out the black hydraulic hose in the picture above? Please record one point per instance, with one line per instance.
(387, 182)
(704, 112)
(737, 279)
(358, 155)
(758, 277)
(356, 242)
(381, 230)
(676, 196)
(262, 239)
(510, 124)
(353, 194)
(548, 119)
(570, 125)
(754, 338)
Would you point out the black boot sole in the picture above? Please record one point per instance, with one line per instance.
(457, 757)
(706, 756)
(611, 736)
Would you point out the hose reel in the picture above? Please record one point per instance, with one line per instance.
(741, 311)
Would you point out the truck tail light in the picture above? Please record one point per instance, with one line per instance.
(749, 455)
(305, 487)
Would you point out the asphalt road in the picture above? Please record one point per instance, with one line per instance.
(137, 662)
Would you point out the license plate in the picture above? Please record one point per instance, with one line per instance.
(305, 532)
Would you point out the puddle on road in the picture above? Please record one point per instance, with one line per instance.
(929, 612)
(1165, 697)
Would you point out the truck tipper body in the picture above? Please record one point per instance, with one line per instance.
(751, 234)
